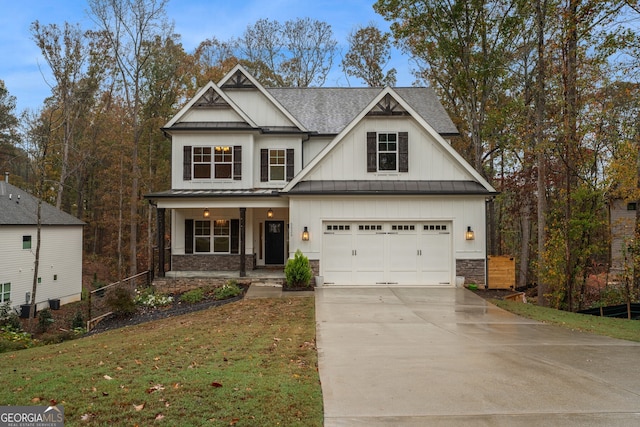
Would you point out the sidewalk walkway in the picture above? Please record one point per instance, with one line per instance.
(445, 357)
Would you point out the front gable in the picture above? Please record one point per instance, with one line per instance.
(388, 141)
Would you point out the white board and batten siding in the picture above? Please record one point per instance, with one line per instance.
(388, 240)
(60, 269)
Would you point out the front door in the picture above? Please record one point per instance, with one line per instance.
(274, 242)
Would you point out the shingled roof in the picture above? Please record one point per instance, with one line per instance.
(330, 110)
(17, 207)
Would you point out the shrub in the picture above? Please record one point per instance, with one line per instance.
(297, 271)
(148, 298)
(11, 340)
(77, 321)
(9, 318)
(193, 296)
(45, 319)
(121, 302)
(228, 290)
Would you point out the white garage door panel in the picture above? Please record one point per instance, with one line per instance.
(436, 258)
(403, 262)
(387, 253)
(337, 257)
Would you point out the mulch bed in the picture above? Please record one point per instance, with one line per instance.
(147, 315)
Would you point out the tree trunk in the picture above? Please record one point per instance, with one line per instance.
(540, 106)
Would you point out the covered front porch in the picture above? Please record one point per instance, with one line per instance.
(223, 237)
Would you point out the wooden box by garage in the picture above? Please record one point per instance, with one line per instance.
(502, 272)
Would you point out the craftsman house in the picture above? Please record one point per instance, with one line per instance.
(60, 269)
(362, 180)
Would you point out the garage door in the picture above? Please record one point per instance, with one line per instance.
(387, 253)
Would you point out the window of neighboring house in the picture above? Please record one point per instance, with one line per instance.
(388, 152)
(5, 292)
(221, 236)
(277, 163)
(631, 206)
(202, 236)
(26, 242)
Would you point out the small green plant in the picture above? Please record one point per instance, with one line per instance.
(45, 319)
(297, 271)
(11, 340)
(193, 296)
(228, 290)
(121, 302)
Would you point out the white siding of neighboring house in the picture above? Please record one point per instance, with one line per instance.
(60, 254)
(427, 159)
(463, 211)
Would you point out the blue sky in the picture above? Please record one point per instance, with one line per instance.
(25, 72)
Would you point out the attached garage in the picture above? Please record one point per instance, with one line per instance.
(387, 253)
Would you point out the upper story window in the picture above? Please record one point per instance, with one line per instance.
(276, 164)
(387, 152)
(206, 162)
(26, 242)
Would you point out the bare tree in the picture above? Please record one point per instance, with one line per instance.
(129, 25)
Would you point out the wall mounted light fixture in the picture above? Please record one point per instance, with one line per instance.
(305, 234)
(270, 213)
(206, 213)
(469, 234)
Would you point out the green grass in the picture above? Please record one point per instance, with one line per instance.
(249, 363)
(611, 327)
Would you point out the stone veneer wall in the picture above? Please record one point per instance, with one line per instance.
(207, 262)
(473, 271)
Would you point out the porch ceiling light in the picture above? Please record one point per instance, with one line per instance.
(206, 213)
(305, 234)
(469, 234)
(270, 213)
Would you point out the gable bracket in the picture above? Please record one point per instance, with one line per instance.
(388, 107)
(211, 99)
(238, 81)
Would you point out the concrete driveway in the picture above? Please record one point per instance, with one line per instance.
(445, 357)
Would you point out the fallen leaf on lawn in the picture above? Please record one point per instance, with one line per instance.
(104, 393)
(216, 385)
(107, 377)
(176, 385)
(234, 421)
(118, 368)
(138, 407)
(35, 400)
(87, 417)
(155, 388)
(159, 417)
(138, 362)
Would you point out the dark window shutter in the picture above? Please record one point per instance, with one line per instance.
(372, 164)
(237, 162)
(403, 152)
(186, 165)
(188, 236)
(264, 165)
(289, 164)
(235, 236)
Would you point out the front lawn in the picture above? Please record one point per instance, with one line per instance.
(611, 327)
(249, 363)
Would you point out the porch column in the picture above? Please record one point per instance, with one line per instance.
(160, 214)
(243, 216)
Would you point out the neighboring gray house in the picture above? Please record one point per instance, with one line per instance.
(60, 269)
(362, 180)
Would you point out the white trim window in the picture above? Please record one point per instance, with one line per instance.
(202, 236)
(5, 292)
(388, 152)
(277, 164)
(221, 236)
(223, 162)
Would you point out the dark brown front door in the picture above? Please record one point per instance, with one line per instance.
(274, 242)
